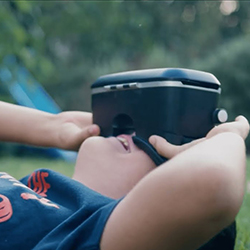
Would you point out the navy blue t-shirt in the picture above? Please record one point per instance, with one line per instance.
(49, 211)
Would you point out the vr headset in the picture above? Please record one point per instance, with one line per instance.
(177, 104)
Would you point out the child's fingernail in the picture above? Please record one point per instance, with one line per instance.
(152, 140)
(91, 129)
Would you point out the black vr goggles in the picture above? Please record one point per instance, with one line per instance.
(177, 104)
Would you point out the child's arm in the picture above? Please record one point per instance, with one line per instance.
(65, 130)
(187, 200)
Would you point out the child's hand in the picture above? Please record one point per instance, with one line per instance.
(168, 150)
(73, 127)
(240, 126)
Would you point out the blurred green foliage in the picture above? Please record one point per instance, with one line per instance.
(67, 45)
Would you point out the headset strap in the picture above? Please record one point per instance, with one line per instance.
(149, 150)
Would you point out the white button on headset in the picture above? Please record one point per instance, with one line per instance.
(222, 115)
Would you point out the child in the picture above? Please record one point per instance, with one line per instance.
(119, 199)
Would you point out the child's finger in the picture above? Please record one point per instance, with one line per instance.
(93, 130)
(78, 136)
(168, 150)
(163, 147)
(243, 126)
(240, 126)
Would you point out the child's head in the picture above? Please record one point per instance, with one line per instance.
(105, 163)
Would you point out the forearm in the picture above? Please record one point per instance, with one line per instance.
(219, 165)
(26, 125)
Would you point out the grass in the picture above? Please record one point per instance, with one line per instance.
(243, 218)
(19, 167)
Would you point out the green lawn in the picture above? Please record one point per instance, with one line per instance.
(19, 167)
(243, 218)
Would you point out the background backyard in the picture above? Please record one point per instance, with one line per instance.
(67, 45)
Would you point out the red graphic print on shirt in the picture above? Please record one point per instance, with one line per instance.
(5, 209)
(44, 201)
(38, 184)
